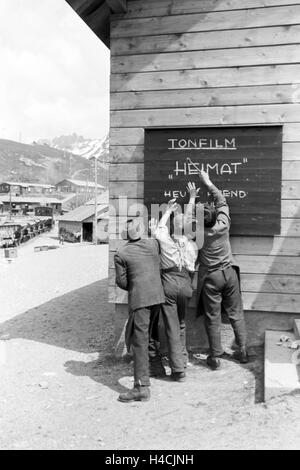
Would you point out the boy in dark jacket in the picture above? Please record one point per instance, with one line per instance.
(137, 266)
(218, 277)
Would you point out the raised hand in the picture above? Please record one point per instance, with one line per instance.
(192, 190)
(172, 206)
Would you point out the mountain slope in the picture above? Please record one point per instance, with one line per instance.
(41, 163)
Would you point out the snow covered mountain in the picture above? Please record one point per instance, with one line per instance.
(86, 148)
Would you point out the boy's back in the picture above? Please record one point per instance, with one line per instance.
(138, 271)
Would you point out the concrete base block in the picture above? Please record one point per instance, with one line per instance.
(282, 370)
(297, 328)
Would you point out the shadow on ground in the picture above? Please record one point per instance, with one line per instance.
(106, 370)
(80, 320)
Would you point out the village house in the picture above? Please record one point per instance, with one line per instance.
(77, 186)
(19, 189)
(23, 204)
(78, 225)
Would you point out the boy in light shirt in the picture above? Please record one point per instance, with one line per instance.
(178, 253)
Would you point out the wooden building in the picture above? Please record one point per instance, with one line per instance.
(78, 225)
(77, 186)
(198, 64)
(19, 204)
(17, 188)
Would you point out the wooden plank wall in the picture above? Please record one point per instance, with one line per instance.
(212, 63)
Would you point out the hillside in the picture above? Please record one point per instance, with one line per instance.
(41, 163)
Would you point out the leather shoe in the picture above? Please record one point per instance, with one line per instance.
(138, 393)
(242, 356)
(213, 362)
(157, 370)
(178, 376)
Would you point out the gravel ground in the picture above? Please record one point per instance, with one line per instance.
(60, 381)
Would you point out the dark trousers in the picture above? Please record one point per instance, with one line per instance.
(144, 347)
(177, 288)
(221, 290)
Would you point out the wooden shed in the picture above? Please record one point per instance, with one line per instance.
(210, 65)
(78, 225)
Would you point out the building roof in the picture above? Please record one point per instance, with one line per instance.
(96, 14)
(26, 185)
(29, 199)
(81, 183)
(80, 214)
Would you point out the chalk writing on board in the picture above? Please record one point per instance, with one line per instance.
(245, 163)
(189, 167)
(203, 143)
(228, 193)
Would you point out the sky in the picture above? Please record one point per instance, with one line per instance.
(54, 73)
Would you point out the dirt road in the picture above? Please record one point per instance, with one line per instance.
(36, 277)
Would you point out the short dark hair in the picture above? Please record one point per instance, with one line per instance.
(210, 215)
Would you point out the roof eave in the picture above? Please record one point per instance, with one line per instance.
(96, 14)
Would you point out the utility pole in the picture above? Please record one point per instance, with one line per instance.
(96, 202)
(86, 188)
(10, 202)
(70, 162)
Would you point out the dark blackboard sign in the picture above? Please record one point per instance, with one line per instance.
(244, 162)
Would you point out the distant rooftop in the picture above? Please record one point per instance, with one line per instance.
(27, 185)
(30, 199)
(80, 214)
(81, 183)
